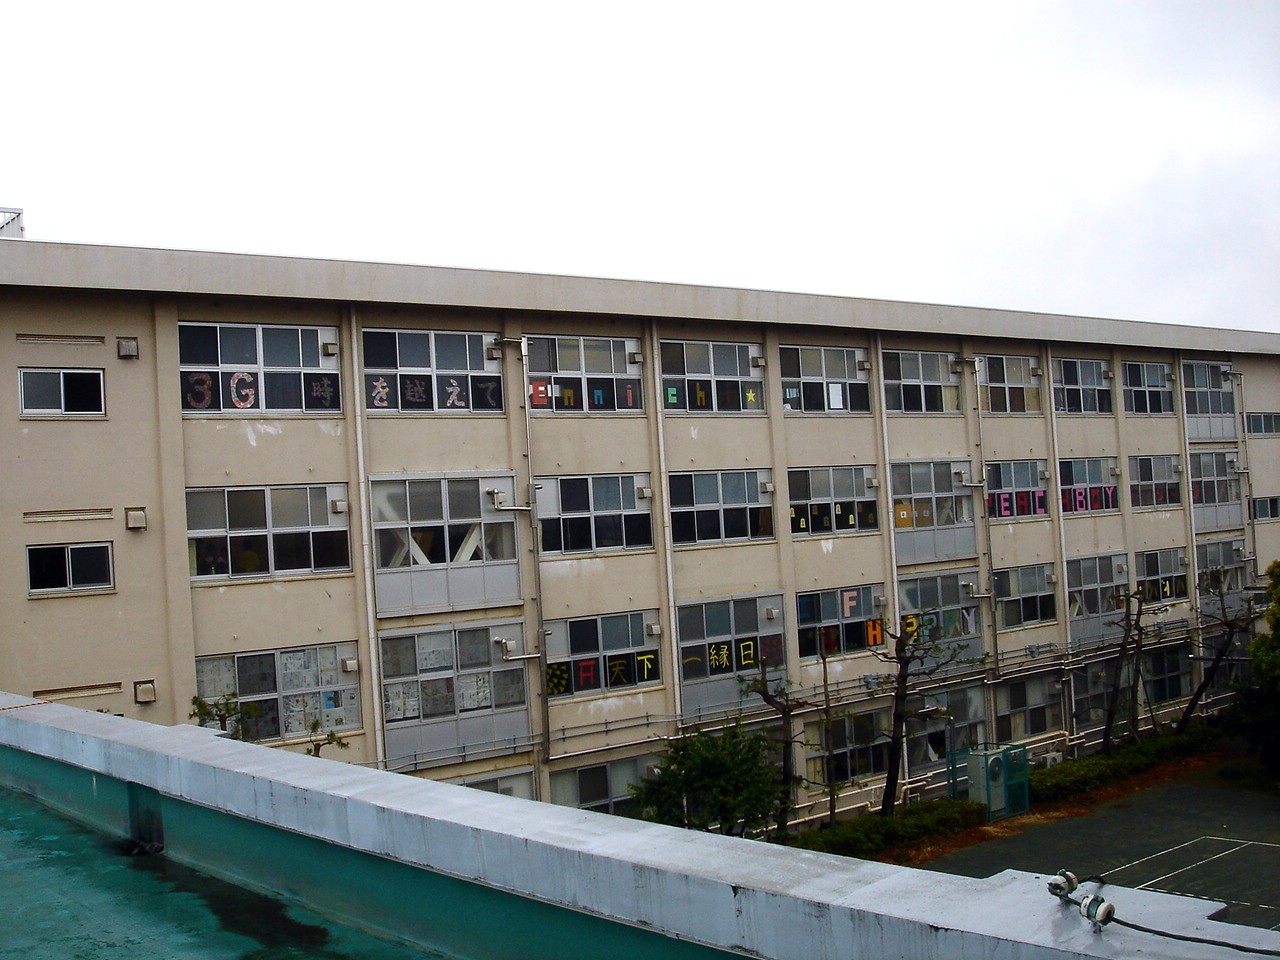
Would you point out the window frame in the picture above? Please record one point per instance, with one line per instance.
(1168, 584)
(902, 378)
(444, 522)
(270, 532)
(1108, 595)
(1017, 490)
(844, 621)
(1199, 391)
(428, 668)
(1149, 476)
(1078, 497)
(1262, 424)
(1030, 591)
(1067, 385)
(1145, 381)
(756, 508)
(849, 748)
(249, 381)
(1272, 511)
(556, 525)
(738, 652)
(61, 411)
(956, 492)
(642, 651)
(994, 380)
(68, 568)
(328, 716)
(852, 508)
(389, 398)
(812, 376)
(677, 393)
(1038, 716)
(1220, 486)
(546, 387)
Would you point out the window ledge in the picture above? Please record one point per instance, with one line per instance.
(224, 580)
(62, 417)
(64, 594)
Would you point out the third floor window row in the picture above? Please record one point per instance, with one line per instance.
(232, 368)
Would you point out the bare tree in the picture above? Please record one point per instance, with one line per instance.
(916, 651)
(1228, 626)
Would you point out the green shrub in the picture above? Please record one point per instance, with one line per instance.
(1084, 774)
(868, 835)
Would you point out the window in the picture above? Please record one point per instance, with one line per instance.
(603, 787)
(729, 637)
(1081, 386)
(282, 692)
(604, 512)
(1148, 388)
(1220, 568)
(825, 379)
(931, 494)
(1153, 481)
(446, 674)
(1265, 508)
(1009, 384)
(957, 721)
(916, 382)
(429, 371)
(847, 748)
(1263, 424)
(1025, 595)
(1206, 388)
(847, 620)
(54, 568)
(444, 542)
(1088, 485)
(1213, 478)
(258, 531)
(61, 393)
(1025, 708)
(827, 500)
(244, 367)
(939, 609)
(1161, 575)
(730, 505)
(577, 374)
(512, 785)
(1016, 488)
(1168, 673)
(613, 652)
(712, 377)
(438, 521)
(1096, 585)
(1093, 688)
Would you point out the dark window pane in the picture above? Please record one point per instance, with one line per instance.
(284, 391)
(209, 556)
(256, 673)
(380, 350)
(280, 347)
(262, 719)
(331, 549)
(238, 345)
(681, 487)
(638, 530)
(249, 554)
(91, 566)
(292, 551)
(451, 351)
(575, 495)
(47, 568)
(551, 539)
(584, 636)
(486, 393)
(577, 533)
(609, 531)
(683, 526)
(735, 523)
(707, 523)
(321, 391)
(82, 392)
(197, 345)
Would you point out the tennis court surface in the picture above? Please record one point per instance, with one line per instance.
(1191, 837)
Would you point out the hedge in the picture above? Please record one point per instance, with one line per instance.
(868, 835)
(1074, 777)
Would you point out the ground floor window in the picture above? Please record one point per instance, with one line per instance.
(847, 748)
(281, 693)
(602, 787)
(1026, 708)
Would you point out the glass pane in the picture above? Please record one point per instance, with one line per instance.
(280, 347)
(464, 499)
(82, 392)
(425, 502)
(256, 673)
(290, 507)
(607, 493)
(389, 503)
(238, 345)
(246, 509)
(206, 510)
(91, 566)
(41, 390)
(415, 349)
(474, 648)
(435, 652)
(451, 351)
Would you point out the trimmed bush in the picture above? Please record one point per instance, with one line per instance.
(868, 835)
(1072, 778)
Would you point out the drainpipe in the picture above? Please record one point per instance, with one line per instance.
(1246, 475)
(660, 500)
(979, 482)
(366, 549)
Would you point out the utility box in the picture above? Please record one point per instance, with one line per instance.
(996, 777)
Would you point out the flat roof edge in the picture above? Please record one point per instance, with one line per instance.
(36, 263)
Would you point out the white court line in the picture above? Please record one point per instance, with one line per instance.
(1161, 853)
(1198, 863)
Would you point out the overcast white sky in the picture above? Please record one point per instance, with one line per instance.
(1098, 157)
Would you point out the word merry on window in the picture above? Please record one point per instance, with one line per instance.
(602, 512)
(825, 379)
(593, 654)
(430, 371)
(234, 368)
(712, 377)
(1088, 485)
(584, 374)
(54, 568)
(827, 500)
(282, 693)
(61, 393)
(260, 531)
(846, 620)
(1016, 488)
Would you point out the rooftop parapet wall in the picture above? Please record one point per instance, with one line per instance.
(734, 896)
(91, 267)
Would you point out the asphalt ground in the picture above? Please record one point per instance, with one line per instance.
(1190, 836)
